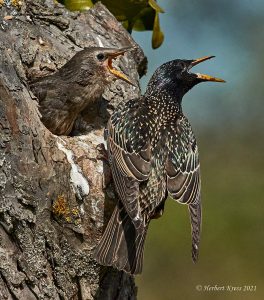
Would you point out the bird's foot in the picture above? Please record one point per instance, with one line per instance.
(157, 214)
(158, 211)
(102, 152)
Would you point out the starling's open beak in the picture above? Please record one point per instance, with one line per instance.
(204, 77)
(118, 74)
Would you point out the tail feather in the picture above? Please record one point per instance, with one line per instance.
(195, 217)
(121, 246)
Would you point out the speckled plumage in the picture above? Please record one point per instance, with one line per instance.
(153, 155)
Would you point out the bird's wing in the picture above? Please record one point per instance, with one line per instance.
(183, 176)
(39, 90)
(129, 155)
(51, 92)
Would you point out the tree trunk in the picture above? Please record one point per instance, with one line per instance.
(56, 196)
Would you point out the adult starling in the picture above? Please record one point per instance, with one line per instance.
(153, 154)
(82, 80)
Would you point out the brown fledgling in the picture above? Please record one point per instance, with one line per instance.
(82, 80)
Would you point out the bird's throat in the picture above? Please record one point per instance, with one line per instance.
(163, 107)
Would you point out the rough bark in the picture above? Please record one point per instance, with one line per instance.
(55, 194)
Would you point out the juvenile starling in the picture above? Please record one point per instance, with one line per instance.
(153, 154)
(82, 80)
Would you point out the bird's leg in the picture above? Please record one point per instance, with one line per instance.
(103, 155)
(102, 152)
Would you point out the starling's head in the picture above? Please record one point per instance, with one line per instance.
(94, 65)
(175, 78)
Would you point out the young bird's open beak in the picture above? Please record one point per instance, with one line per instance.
(204, 76)
(112, 56)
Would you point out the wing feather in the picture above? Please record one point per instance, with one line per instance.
(183, 177)
(129, 156)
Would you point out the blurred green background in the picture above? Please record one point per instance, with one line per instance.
(228, 120)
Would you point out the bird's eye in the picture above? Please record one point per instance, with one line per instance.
(100, 56)
(182, 65)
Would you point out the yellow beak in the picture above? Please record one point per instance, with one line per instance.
(204, 76)
(115, 72)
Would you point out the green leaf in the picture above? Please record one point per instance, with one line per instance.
(137, 15)
(157, 35)
(145, 20)
(78, 4)
(125, 24)
(125, 9)
(155, 6)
